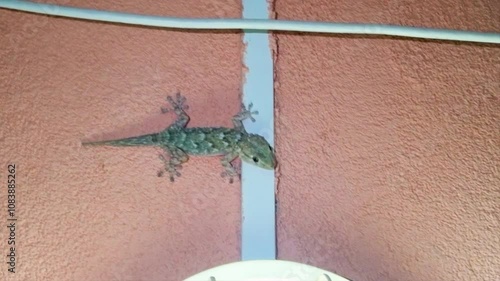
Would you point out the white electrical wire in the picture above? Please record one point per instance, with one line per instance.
(251, 24)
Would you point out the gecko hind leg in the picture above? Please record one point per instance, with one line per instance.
(178, 107)
(174, 163)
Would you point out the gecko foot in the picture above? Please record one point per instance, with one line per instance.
(246, 113)
(231, 172)
(178, 104)
(172, 166)
(230, 176)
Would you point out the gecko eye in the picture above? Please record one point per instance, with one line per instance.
(255, 159)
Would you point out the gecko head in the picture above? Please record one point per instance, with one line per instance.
(257, 151)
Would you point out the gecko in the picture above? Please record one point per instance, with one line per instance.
(179, 142)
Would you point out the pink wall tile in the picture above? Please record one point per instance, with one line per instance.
(389, 148)
(102, 213)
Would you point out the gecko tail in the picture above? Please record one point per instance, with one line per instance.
(145, 140)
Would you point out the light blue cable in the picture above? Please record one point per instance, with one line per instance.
(251, 24)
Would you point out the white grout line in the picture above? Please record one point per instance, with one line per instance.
(258, 230)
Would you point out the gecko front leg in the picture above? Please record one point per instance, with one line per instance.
(243, 115)
(230, 170)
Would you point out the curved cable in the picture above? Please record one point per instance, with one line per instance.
(251, 24)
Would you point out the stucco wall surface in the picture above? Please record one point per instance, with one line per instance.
(389, 149)
(102, 213)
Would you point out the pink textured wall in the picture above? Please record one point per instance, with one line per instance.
(390, 148)
(102, 213)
